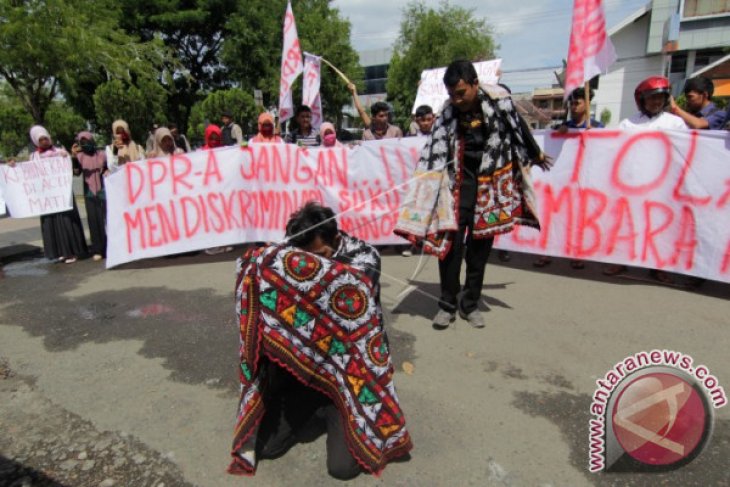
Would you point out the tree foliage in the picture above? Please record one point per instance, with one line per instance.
(431, 38)
(240, 103)
(48, 46)
(140, 105)
(252, 50)
(194, 31)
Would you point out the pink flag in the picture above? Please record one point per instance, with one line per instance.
(312, 81)
(291, 65)
(590, 52)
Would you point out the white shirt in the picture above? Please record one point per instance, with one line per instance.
(663, 121)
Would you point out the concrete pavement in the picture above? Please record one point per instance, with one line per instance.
(150, 350)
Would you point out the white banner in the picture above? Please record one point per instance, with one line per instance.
(230, 196)
(310, 86)
(37, 187)
(649, 199)
(291, 65)
(431, 89)
(659, 200)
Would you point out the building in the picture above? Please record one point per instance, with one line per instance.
(675, 38)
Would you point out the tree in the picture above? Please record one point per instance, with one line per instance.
(46, 46)
(14, 125)
(240, 103)
(194, 31)
(252, 51)
(140, 105)
(431, 39)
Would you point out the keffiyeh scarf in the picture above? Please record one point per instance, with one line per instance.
(319, 319)
(505, 196)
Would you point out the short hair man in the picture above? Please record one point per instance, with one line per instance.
(304, 133)
(485, 149)
(424, 120)
(701, 112)
(313, 347)
(231, 132)
(380, 127)
(579, 110)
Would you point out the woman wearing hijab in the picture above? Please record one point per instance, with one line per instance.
(164, 144)
(63, 234)
(122, 149)
(213, 136)
(213, 140)
(329, 135)
(266, 130)
(90, 162)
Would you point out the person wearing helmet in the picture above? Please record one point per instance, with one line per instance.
(652, 99)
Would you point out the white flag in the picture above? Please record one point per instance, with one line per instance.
(291, 65)
(312, 81)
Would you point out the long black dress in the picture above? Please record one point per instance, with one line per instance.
(63, 233)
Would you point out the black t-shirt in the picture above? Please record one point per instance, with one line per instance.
(473, 128)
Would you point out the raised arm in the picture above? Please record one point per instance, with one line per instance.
(356, 100)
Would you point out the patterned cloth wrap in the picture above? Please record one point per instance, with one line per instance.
(320, 319)
(505, 196)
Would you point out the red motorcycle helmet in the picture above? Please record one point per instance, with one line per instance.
(650, 86)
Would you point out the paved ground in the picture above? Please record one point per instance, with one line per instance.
(128, 377)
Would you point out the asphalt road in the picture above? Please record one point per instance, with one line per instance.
(129, 375)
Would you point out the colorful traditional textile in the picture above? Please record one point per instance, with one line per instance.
(504, 193)
(320, 320)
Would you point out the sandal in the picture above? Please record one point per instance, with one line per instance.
(542, 261)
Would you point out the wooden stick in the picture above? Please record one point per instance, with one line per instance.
(342, 75)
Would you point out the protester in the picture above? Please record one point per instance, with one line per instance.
(63, 234)
(212, 137)
(424, 120)
(266, 130)
(180, 140)
(578, 120)
(164, 144)
(482, 151)
(314, 352)
(380, 128)
(329, 135)
(231, 131)
(90, 162)
(122, 149)
(701, 112)
(213, 141)
(150, 143)
(652, 99)
(304, 133)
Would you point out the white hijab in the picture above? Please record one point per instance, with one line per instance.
(37, 132)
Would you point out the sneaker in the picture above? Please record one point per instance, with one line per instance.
(97, 257)
(407, 253)
(215, 250)
(443, 319)
(70, 260)
(474, 318)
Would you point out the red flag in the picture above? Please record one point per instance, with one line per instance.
(291, 65)
(590, 52)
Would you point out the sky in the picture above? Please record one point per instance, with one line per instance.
(530, 33)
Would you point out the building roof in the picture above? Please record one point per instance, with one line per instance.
(633, 17)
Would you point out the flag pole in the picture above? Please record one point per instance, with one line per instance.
(586, 96)
(342, 75)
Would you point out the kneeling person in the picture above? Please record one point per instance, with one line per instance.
(313, 347)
